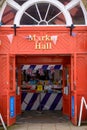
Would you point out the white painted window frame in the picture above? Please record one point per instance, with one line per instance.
(59, 5)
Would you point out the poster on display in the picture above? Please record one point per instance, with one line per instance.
(39, 88)
(72, 106)
(12, 106)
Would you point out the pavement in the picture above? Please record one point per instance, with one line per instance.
(46, 120)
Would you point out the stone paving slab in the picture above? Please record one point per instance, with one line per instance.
(45, 121)
(46, 126)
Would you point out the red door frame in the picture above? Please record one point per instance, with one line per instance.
(73, 90)
(18, 92)
(12, 89)
(67, 90)
(7, 96)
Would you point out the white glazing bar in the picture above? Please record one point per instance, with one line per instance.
(84, 12)
(47, 12)
(31, 17)
(38, 12)
(54, 17)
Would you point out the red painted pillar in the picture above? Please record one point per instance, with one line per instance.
(73, 91)
(12, 91)
(7, 88)
(66, 90)
(18, 94)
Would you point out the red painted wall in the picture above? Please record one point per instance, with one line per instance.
(21, 45)
(65, 44)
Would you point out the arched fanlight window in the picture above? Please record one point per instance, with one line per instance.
(43, 12)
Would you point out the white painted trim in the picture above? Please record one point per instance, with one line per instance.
(72, 4)
(56, 3)
(13, 4)
(84, 11)
(2, 10)
(44, 25)
(64, 9)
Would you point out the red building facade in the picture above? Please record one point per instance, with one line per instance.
(52, 37)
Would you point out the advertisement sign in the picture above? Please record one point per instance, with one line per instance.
(12, 106)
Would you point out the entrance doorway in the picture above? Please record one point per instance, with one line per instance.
(43, 83)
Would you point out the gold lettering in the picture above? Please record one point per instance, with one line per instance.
(34, 37)
(40, 38)
(48, 38)
(48, 46)
(38, 46)
(43, 46)
(43, 38)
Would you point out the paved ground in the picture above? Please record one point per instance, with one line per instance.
(47, 120)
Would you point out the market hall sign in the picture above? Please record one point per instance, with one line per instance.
(43, 42)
